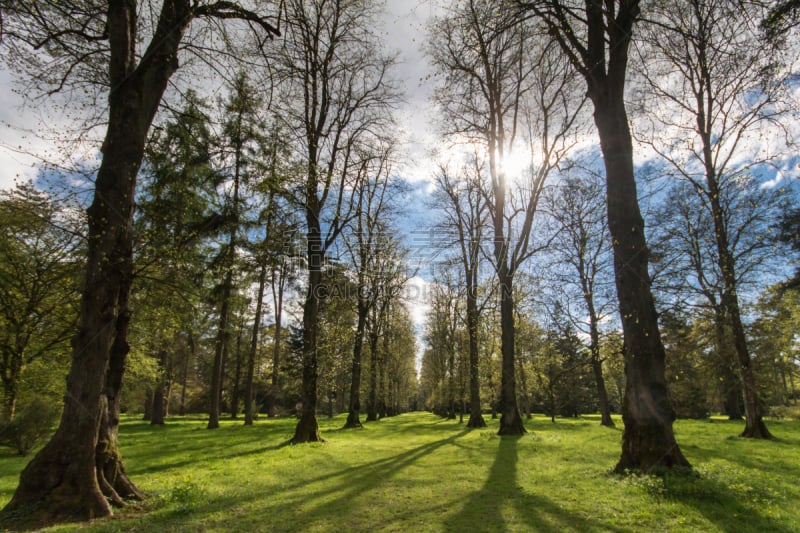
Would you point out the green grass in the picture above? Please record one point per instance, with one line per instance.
(417, 472)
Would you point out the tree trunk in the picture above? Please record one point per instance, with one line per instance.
(597, 366)
(648, 441)
(111, 476)
(191, 355)
(510, 419)
(249, 393)
(307, 429)
(354, 407)
(159, 405)
(60, 483)
(372, 402)
(475, 417)
(237, 376)
(754, 423)
(730, 385)
(277, 298)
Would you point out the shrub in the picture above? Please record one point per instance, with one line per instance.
(32, 424)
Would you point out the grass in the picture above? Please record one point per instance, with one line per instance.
(417, 472)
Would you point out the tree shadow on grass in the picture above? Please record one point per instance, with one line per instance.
(484, 509)
(316, 504)
(730, 505)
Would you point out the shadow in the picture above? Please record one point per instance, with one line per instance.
(503, 505)
(328, 500)
(729, 510)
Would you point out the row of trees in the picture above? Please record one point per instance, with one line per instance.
(705, 101)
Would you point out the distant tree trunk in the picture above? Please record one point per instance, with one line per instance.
(11, 390)
(475, 417)
(237, 376)
(597, 365)
(147, 414)
(384, 355)
(354, 408)
(277, 298)
(160, 395)
(185, 377)
(729, 301)
(372, 402)
(249, 394)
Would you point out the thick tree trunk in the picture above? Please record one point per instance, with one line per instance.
(60, 483)
(648, 441)
(354, 407)
(730, 385)
(111, 476)
(307, 429)
(510, 419)
(475, 417)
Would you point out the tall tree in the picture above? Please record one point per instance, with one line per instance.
(582, 243)
(495, 85)
(364, 243)
(38, 285)
(339, 79)
(728, 94)
(242, 138)
(466, 214)
(596, 36)
(62, 481)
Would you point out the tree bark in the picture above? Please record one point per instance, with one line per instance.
(648, 441)
(307, 429)
(510, 419)
(597, 366)
(61, 483)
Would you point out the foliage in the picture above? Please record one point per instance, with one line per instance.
(32, 424)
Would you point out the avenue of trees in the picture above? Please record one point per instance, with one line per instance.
(616, 225)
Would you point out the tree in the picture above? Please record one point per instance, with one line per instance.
(243, 137)
(466, 214)
(596, 37)
(38, 285)
(728, 93)
(582, 243)
(340, 95)
(64, 481)
(365, 243)
(492, 88)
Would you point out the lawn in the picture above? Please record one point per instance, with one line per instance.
(417, 472)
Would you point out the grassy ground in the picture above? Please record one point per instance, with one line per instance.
(417, 472)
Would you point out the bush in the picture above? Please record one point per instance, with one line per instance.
(32, 424)
(785, 411)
